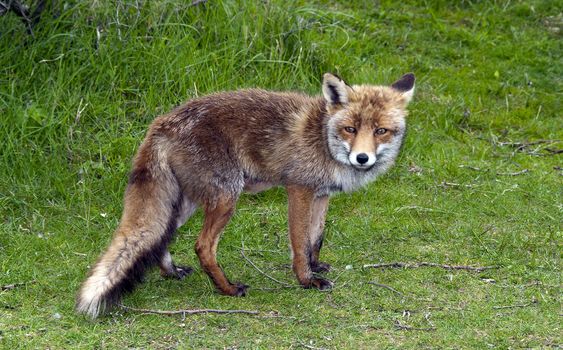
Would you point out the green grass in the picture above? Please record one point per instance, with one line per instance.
(75, 101)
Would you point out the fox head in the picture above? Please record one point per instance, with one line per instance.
(366, 124)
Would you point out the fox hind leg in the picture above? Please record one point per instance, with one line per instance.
(167, 266)
(217, 216)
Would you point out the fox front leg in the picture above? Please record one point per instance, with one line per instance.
(300, 214)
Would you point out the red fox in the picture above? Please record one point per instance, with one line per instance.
(208, 151)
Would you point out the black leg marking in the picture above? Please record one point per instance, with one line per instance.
(316, 265)
(320, 267)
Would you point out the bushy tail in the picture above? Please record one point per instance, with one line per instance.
(151, 207)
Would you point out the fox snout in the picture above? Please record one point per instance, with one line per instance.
(362, 160)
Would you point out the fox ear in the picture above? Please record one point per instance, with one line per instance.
(335, 90)
(405, 85)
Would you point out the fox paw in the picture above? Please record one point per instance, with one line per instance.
(319, 283)
(183, 271)
(235, 290)
(320, 267)
(240, 289)
(179, 272)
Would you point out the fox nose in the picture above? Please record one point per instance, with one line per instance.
(362, 158)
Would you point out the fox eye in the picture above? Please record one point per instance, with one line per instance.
(350, 130)
(381, 131)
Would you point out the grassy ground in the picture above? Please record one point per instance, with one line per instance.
(75, 101)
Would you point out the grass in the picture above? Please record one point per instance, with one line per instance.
(76, 99)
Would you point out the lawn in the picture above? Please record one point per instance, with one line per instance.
(478, 183)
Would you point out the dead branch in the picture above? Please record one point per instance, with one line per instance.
(428, 264)
(386, 287)
(286, 285)
(189, 311)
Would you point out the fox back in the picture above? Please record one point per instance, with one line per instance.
(337, 142)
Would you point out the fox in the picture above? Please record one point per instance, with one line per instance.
(208, 151)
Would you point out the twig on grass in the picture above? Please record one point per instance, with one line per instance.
(470, 167)
(418, 208)
(553, 151)
(515, 305)
(524, 144)
(428, 264)
(15, 285)
(446, 184)
(286, 285)
(526, 147)
(511, 306)
(386, 287)
(521, 172)
(310, 346)
(189, 311)
(401, 326)
(12, 286)
(269, 289)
